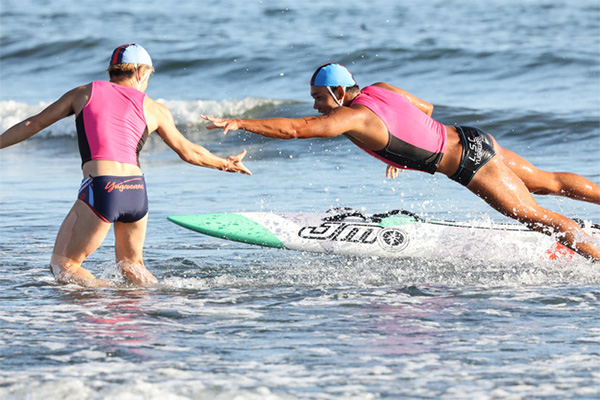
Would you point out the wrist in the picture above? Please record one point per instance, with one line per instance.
(226, 166)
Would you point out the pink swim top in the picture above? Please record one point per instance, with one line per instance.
(416, 141)
(112, 125)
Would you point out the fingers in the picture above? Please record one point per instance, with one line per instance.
(212, 125)
(215, 123)
(236, 164)
(388, 172)
(220, 123)
(239, 168)
(245, 170)
(226, 125)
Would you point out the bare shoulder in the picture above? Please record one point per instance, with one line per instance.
(79, 93)
(157, 109)
(359, 118)
(71, 102)
(384, 85)
(83, 89)
(352, 113)
(79, 97)
(391, 88)
(158, 116)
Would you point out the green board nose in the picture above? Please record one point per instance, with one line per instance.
(229, 226)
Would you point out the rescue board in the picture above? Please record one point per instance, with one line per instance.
(396, 234)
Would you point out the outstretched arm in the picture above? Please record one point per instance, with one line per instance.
(56, 111)
(339, 121)
(188, 151)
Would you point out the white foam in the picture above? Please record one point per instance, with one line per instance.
(12, 112)
(184, 112)
(188, 112)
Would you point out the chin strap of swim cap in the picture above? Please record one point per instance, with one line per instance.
(333, 75)
(335, 98)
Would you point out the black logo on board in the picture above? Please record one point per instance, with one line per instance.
(390, 239)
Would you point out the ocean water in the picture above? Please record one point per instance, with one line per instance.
(233, 321)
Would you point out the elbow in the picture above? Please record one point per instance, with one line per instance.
(32, 126)
(281, 133)
(300, 130)
(293, 134)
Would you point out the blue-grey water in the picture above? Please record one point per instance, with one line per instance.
(233, 321)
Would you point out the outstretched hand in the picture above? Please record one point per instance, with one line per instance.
(221, 123)
(235, 164)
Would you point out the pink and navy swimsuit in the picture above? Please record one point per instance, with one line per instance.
(416, 141)
(112, 126)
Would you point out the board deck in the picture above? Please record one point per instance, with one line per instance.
(397, 234)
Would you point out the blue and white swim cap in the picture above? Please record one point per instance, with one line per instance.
(332, 74)
(130, 53)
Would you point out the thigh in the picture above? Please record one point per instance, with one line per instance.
(129, 240)
(80, 234)
(503, 189)
(534, 178)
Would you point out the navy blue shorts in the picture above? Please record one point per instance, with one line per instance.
(478, 149)
(116, 198)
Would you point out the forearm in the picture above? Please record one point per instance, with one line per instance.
(276, 128)
(19, 132)
(200, 156)
(329, 125)
(56, 111)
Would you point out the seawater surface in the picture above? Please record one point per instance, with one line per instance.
(233, 321)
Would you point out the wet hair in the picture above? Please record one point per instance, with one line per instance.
(127, 70)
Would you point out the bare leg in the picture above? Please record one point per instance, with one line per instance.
(500, 187)
(556, 183)
(80, 234)
(129, 247)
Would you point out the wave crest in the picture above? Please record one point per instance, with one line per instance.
(185, 113)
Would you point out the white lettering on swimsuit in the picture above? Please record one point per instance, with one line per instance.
(477, 146)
